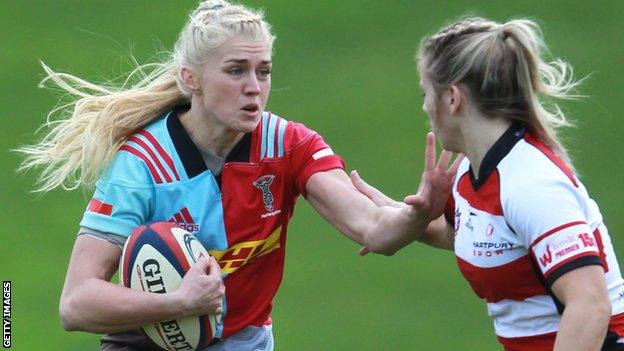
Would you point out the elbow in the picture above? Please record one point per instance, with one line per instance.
(386, 250)
(605, 309)
(602, 306)
(597, 309)
(68, 314)
(376, 244)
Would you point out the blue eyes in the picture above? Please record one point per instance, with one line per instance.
(262, 73)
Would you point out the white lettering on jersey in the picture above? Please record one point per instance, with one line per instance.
(553, 249)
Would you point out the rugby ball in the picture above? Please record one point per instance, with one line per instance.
(155, 258)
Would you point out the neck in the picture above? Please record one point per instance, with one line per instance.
(480, 134)
(207, 134)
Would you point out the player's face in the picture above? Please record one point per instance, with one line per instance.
(235, 84)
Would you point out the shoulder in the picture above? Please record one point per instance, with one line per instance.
(137, 161)
(538, 190)
(278, 135)
(292, 131)
(531, 163)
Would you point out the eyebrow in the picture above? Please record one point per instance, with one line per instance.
(241, 61)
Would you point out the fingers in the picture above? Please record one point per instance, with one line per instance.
(378, 198)
(456, 163)
(215, 269)
(444, 160)
(430, 152)
(202, 263)
(362, 186)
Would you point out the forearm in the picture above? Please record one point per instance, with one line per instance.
(99, 306)
(381, 228)
(392, 228)
(438, 234)
(583, 327)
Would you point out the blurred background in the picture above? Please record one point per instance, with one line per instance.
(344, 68)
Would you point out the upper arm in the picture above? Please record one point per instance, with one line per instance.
(91, 258)
(584, 285)
(308, 154)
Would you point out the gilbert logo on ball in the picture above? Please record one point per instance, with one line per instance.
(155, 258)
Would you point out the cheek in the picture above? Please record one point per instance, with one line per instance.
(265, 87)
(429, 108)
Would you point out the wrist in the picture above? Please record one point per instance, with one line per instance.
(177, 304)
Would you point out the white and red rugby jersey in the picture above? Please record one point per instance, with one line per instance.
(522, 224)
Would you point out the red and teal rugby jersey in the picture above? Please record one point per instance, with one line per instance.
(241, 215)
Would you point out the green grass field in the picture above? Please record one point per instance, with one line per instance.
(344, 68)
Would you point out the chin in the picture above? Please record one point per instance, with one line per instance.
(247, 126)
(447, 144)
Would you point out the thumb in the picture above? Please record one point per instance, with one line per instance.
(414, 200)
(360, 184)
(378, 198)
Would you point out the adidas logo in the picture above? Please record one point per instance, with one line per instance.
(184, 220)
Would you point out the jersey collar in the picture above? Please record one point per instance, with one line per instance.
(188, 152)
(496, 153)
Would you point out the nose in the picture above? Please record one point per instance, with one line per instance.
(252, 85)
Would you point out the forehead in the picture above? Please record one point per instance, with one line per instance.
(240, 48)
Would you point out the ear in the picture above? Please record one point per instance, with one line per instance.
(190, 79)
(455, 99)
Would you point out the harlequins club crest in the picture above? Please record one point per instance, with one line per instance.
(263, 183)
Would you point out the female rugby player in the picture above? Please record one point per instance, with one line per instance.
(526, 234)
(191, 142)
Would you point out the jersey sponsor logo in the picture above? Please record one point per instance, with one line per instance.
(457, 220)
(587, 240)
(566, 250)
(184, 220)
(546, 258)
(100, 207)
(489, 230)
(489, 249)
(558, 248)
(469, 224)
(243, 253)
(620, 295)
(264, 184)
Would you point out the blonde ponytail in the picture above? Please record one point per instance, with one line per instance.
(502, 65)
(84, 134)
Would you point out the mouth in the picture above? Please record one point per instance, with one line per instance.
(251, 109)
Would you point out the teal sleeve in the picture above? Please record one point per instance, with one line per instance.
(123, 197)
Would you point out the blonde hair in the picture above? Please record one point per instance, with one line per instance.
(502, 68)
(84, 135)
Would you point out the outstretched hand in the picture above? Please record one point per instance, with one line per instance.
(433, 192)
(436, 181)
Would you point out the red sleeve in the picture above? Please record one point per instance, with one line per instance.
(309, 154)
